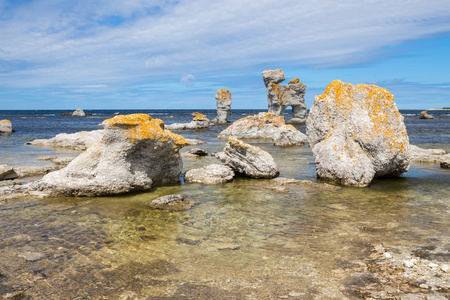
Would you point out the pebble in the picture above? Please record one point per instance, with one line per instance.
(433, 265)
(387, 255)
(33, 256)
(295, 294)
(445, 268)
(408, 263)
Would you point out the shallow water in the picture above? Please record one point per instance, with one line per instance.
(241, 240)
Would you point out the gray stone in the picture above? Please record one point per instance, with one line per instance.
(7, 173)
(172, 202)
(134, 154)
(211, 174)
(6, 126)
(288, 135)
(78, 113)
(247, 159)
(200, 121)
(223, 103)
(198, 152)
(356, 134)
(78, 141)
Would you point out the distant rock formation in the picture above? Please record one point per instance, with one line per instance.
(6, 126)
(136, 152)
(279, 97)
(200, 121)
(264, 126)
(425, 115)
(223, 103)
(356, 134)
(79, 113)
(248, 160)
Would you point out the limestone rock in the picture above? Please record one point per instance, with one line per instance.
(432, 156)
(195, 152)
(135, 153)
(79, 113)
(7, 173)
(200, 121)
(6, 126)
(249, 160)
(223, 103)
(445, 164)
(174, 202)
(280, 97)
(34, 171)
(425, 115)
(289, 136)
(356, 134)
(264, 126)
(78, 141)
(195, 142)
(211, 174)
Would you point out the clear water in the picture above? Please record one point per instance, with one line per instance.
(241, 241)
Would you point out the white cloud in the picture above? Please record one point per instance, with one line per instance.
(188, 80)
(52, 42)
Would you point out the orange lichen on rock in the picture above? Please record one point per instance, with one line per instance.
(5, 122)
(262, 119)
(223, 93)
(199, 116)
(143, 126)
(240, 144)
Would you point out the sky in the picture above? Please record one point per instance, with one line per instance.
(164, 54)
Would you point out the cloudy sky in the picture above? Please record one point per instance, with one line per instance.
(156, 54)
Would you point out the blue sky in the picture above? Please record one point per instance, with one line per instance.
(159, 54)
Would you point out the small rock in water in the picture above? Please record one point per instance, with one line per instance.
(295, 294)
(172, 202)
(32, 256)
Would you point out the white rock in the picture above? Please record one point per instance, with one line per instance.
(78, 113)
(445, 268)
(6, 126)
(211, 174)
(78, 141)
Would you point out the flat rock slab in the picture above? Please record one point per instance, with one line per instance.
(211, 174)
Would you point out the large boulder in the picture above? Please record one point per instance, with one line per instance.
(223, 103)
(264, 126)
(78, 113)
(6, 126)
(356, 134)
(200, 121)
(280, 97)
(77, 141)
(211, 174)
(136, 152)
(248, 160)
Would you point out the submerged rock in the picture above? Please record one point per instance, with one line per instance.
(356, 134)
(211, 174)
(78, 141)
(264, 126)
(425, 115)
(7, 173)
(223, 103)
(280, 97)
(248, 160)
(174, 202)
(6, 126)
(78, 113)
(135, 153)
(200, 121)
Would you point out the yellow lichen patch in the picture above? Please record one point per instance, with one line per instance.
(240, 144)
(223, 93)
(5, 122)
(142, 126)
(295, 80)
(200, 117)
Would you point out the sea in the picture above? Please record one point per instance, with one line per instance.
(245, 239)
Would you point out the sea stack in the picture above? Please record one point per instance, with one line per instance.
(136, 153)
(223, 103)
(279, 97)
(356, 134)
(79, 113)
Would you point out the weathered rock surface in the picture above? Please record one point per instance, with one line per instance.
(34, 171)
(264, 126)
(195, 152)
(175, 202)
(248, 160)
(78, 141)
(57, 160)
(223, 103)
(7, 173)
(134, 154)
(211, 174)
(279, 97)
(432, 156)
(425, 115)
(288, 135)
(200, 121)
(356, 134)
(78, 113)
(6, 126)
